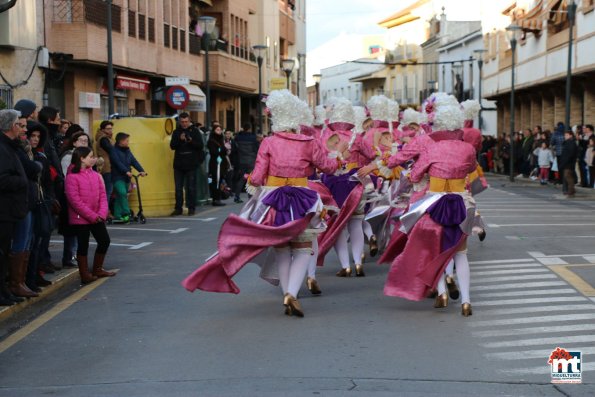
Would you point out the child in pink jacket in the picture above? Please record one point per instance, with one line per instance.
(87, 211)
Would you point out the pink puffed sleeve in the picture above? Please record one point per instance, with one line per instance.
(260, 173)
(409, 152)
(420, 167)
(322, 161)
(364, 148)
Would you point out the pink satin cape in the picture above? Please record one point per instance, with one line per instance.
(328, 239)
(416, 272)
(239, 241)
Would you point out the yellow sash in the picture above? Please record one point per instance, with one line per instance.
(281, 181)
(446, 185)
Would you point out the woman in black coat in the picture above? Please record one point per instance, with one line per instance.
(219, 163)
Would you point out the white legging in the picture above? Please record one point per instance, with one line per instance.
(313, 260)
(463, 275)
(293, 265)
(367, 229)
(450, 268)
(356, 236)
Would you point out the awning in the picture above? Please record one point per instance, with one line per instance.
(378, 75)
(124, 82)
(195, 92)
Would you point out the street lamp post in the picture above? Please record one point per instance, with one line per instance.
(571, 14)
(512, 32)
(317, 78)
(287, 66)
(207, 25)
(479, 53)
(110, 63)
(259, 48)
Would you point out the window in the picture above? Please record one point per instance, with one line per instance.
(152, 30)
(5, 97)
(276, 56)
(268, 53)
(142, 34)
(96, 12)
(131, 23)
(166, 35)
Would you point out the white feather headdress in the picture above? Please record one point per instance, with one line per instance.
(471, 108)
(342, 111)
(378, 107)
(287, 111)
(360, 117)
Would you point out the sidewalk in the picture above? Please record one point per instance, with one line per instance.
(59, 279)
(499, 180)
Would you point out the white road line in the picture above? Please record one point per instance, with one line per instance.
(540, 224)
(557, 237)
(508, 278)
(534, 309)
(553, 329)
(533, 216)
(544, 369)
(557, 340)
(501, 261)
(129, 246)
(529, 320)
(510, 271)
(529, 301)
(552, 261)
(510, 266)
(139, 246)
(544, 211)
(141, 229)
(536, 254)
(498, 287)
(563, 256)
(549, 292)
(530, 354)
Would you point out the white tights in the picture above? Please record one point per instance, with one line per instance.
(313, 260)
(356, 235)
(450, 268)
(342, 248)
(292, 270)
(463, 275)
(367, 229)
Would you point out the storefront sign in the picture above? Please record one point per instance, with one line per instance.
(278, 83)
(177, 97)
(89, 100)
(132, 83)
(170, 81)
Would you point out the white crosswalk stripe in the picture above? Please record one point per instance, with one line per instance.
(523, 311)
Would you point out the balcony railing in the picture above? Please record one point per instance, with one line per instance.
(92, 11)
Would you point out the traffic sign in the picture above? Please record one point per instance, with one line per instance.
(177, 97)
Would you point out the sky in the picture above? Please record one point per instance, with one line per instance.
(326, 19)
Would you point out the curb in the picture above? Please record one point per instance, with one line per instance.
(59, 280)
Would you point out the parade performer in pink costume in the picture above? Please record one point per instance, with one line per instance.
(283, 212)
(347, 191)
(438, 224)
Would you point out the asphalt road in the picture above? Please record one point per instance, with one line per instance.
(141, 334)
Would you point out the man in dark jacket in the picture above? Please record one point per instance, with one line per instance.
(568, 162)
(13, 190)
(244, 149)
(187, 142)
(527, 150)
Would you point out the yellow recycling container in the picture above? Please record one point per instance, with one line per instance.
(149, 142)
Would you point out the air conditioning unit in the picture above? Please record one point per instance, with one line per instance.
(18, 25)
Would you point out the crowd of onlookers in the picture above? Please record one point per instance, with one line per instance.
(52, 177)
(563, 156)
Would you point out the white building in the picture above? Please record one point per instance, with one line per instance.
(335, 80)
(462, 47)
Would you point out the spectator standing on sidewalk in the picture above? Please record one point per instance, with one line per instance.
(122, 161)
(218, 163)
(43, 219)
(187, 142)
(590, 160)
(87, 210)
(556, 142)
(103, 147)
(527, 150)
(584, 146)
(243, 158)
(545, 158)
(567, 163)
(20, 249)
(13, 192)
